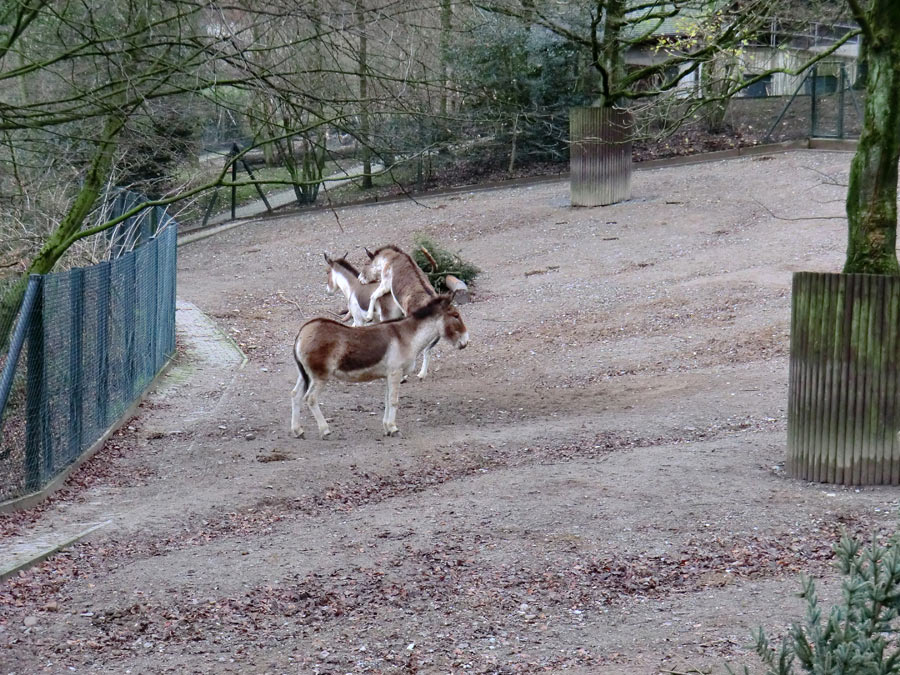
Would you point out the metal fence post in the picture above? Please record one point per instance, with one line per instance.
(154, 221)
(171, 271)
(233, 157)
(153, 283)
(259, 190)
(103, 292)
(18, 340)
(76, 402)
(812, 102)
(35, 438)
(840, 120)
(126, 315)
(209, 207)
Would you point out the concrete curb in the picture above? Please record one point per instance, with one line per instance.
(209, 339)
(190, 237)
(33, 559)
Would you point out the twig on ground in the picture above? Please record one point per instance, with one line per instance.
(290, 301)
(776, 216)
(830, 180)
(548, 269)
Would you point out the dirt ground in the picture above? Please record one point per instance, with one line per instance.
(595, 485)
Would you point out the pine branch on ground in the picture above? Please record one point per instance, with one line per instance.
(437, 262)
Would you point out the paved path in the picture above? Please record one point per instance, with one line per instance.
(286, 197)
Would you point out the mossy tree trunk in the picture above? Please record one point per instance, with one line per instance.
(872, 192)
(609, 58)
(62, 237)
(843, 414)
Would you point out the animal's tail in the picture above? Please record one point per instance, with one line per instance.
(302, 370)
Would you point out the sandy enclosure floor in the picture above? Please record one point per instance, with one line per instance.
(595, 485)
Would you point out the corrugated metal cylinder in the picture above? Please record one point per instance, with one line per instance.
(600, 155)
(843, 407)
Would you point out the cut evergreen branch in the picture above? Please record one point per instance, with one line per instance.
(437, 262)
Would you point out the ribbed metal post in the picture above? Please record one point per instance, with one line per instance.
(600, 155)
(843, 412)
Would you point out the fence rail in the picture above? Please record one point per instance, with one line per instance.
(94, 337)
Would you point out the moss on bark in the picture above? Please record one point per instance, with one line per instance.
(872, 191)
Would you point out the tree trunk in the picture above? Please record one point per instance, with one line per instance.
(446, 17)
(872, 192)
(609, 59)
(363, 98)
(61, 239)
(512, 149)
(714, 79)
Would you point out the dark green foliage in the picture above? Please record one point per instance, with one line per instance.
(154, 145)
(446, 262)
(519, 82)
(859, 636)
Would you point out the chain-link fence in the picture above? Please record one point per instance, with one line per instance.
(91, 340)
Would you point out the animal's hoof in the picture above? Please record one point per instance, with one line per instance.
(325, 434)
(298, 433)
(391, 432)
(421, 376)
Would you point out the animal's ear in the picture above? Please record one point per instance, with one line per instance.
(327, 259)
(369, 253)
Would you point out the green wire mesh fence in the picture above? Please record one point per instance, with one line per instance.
(94, 338)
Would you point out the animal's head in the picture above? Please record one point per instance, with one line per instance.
(333, 264)
(453, 329)
(372, 269)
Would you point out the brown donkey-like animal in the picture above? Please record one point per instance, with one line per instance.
(400, 276)
(345, 277)
(326, 350)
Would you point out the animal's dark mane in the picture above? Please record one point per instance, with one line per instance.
(346, 265)
(391, 247)
(433, 307)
